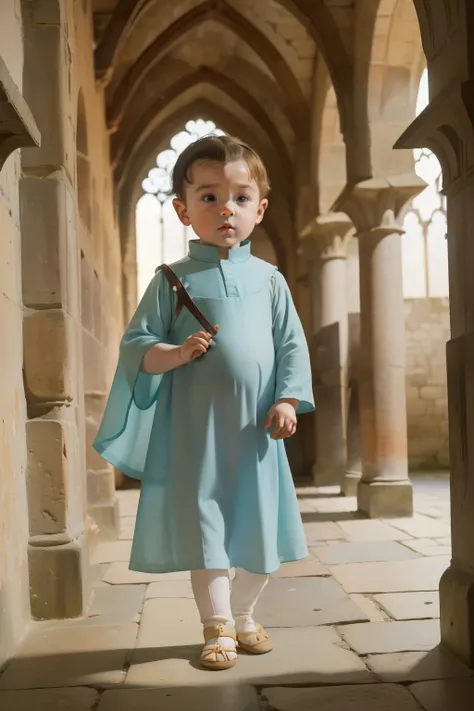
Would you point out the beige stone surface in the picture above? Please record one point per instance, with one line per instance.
(398, 576)
(114, 552)
(410, 606)
(422, 527)
(322, 532)
(301, 568)
(169, 623)
(298, 602)
(78, 699)
(119, 574)
(438, 663)
(363, 552)
(445, 695)
(427, 546)
(70, 656)
(171, 589)
(230, 698)
(369, 608)
(382, 638)
(366, 698)
(312, 655)
(366, 530)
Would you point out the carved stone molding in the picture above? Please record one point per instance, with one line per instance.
(327, 236)
(17, 126)
(376, 206)
(446, 127)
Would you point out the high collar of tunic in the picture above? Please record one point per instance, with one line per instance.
(209, 253)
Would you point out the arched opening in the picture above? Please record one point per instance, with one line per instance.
(160, 235)
(426, 293)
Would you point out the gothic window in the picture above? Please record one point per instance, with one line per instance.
(160, 235)
(424, 248)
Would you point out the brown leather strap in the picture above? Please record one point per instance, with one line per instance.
(184, 299)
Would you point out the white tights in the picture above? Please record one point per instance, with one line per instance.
(220, 602)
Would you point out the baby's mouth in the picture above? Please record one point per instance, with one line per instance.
(227, 228)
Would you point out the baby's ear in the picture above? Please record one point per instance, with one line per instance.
(261, 210)
(181, 211)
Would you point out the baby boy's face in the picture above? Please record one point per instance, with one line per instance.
(222, 203)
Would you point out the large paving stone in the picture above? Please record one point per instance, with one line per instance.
(386, 637)
(119, 574)
(422, 526)
(417, 666)
(446, 695)
(427, 546)
(111, 605)
(316, 532)
(114, 552)
(342, 698)
(340, 504)
(369, 608)
(70, 656)
(410, 606)
(169, 623)
(301, 568)
(396, 576)
(173, 588)
(228, 698)
(311, 655)
(77, 699)
(363, 552)
(369, 530)
(299, 602)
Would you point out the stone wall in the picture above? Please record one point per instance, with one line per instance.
(427, 331)
(14, 607)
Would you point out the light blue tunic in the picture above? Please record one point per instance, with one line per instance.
(217, 491)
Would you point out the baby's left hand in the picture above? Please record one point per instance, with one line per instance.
(284, 415)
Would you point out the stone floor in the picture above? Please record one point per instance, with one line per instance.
(355, 626)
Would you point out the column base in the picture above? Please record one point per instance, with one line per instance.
(59, 582)
(327, 477)
(385, 499)
(351, 483)
(107, 518)
(457, 613)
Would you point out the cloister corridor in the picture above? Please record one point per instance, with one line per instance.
(362, 112)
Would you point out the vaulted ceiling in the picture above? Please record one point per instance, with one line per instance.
(253, 58)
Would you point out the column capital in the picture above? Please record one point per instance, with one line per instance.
(327, 236)
(446, 128)
(376, 206)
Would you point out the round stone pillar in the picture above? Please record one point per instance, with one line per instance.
(375, 207)
(326, 245)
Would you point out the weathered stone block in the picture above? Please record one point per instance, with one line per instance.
(46, 358)
(47, 477)
(45, 224)
(46, 55)
(107, 518)
(93, 363)
(100, 485)
(58, 580)
(385, 499)
(87, 309)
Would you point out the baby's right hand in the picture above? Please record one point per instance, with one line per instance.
(195, 346)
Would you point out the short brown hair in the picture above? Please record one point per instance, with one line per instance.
(221, 149)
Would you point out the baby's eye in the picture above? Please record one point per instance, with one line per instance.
(243, 198)
(209, 198)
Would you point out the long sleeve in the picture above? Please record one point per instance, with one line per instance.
(124, 433)
(293, 370)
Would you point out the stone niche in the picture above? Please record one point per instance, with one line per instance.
(17, 126)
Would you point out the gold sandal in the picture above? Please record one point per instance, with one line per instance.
(257, 642)
(209, 655)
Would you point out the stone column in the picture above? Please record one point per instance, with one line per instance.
(58, 545)
(375, 207)
(446, 126)
(326, 245)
